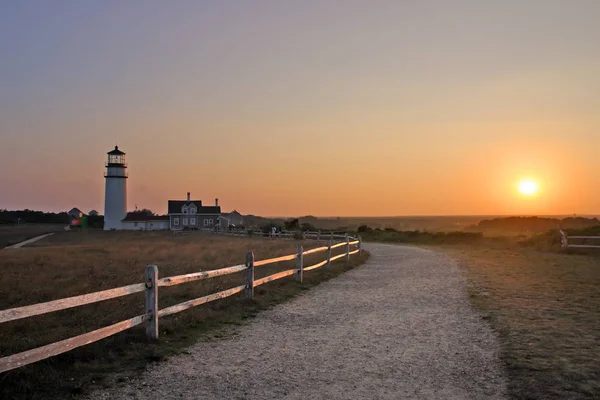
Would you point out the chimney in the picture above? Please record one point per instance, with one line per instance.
(216, 202)
(188, 196)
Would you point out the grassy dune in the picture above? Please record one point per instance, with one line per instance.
(545, 308)
(72, 263)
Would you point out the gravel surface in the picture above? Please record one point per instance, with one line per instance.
(398, 327)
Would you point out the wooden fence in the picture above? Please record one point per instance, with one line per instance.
(317, 235)
(152, 314)
(565, 241)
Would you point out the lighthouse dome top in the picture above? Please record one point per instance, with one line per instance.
(116, 152)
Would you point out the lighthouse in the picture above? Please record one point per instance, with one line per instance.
(115, 195)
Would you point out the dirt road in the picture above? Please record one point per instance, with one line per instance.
(398, 327)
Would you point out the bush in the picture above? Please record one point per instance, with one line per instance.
(364, 229)
(268, 227)
(393, 236)
(308, 227)
(298, 235)
(292, 224)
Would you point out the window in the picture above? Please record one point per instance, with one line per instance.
(192, 209)
(185, 221)
(192, 221)
(184, 209)
(176, 221)
(208, 222)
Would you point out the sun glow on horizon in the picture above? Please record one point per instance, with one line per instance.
(527, 187)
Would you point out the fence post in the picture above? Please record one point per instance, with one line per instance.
(347, 249)
(328, 255)
(300, 264)
(152, 301)
(564, 241)
(319, 235)
(250, 275)
(359, 245)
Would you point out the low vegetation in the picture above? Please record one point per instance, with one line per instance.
(72, 263)
(528, 225)
(544, 307)
(390, 235)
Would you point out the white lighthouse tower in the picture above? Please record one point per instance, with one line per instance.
(115, 196)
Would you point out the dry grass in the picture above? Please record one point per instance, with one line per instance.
(72, 263)
(13, 234)
(546, 310)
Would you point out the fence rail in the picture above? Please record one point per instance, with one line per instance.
(566, 245)
(150, 287)
(317, 235)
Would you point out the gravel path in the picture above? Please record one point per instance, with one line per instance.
(399, 327)
(28, 241)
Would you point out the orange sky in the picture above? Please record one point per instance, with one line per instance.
(373, 109)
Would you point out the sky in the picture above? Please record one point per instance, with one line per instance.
(326, 108)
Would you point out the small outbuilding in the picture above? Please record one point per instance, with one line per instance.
(143, 222)
(75, 213)
(234, 219)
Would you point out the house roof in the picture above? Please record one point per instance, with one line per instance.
(175, 205)
(137, 217)
(209, 210)
(116, 152)
(75, 210)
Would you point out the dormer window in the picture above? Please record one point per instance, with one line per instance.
(184, 209)
(192, 209)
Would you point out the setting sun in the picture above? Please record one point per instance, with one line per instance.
(527, 187)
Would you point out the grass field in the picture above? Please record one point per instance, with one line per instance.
(13, 234)
(545, 308)
(72, 263)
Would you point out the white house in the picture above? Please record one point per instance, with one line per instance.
(191, 214)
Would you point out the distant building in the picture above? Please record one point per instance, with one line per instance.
(93, 213)
(75, 213)
(234, 219)
(191, 214)
(142, 222)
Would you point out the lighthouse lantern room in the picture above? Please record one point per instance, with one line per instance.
(115, 196)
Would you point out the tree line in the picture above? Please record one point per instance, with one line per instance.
(33, 216)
